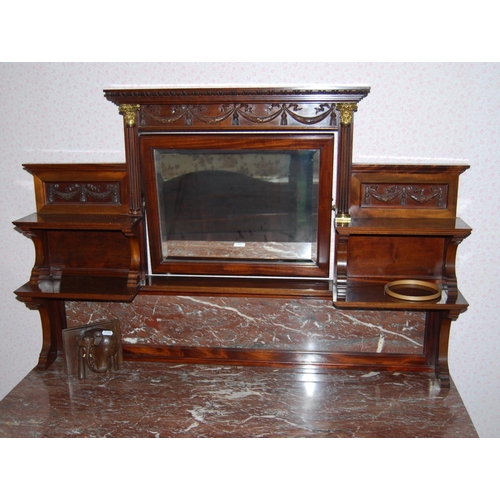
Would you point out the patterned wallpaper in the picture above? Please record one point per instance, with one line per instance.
(416, 112)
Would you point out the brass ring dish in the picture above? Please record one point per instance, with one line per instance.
(434, 290)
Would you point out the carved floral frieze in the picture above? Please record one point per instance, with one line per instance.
(403, 195)
(283, 114)
(83, 192)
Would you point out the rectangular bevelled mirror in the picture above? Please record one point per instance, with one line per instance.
(239, 204)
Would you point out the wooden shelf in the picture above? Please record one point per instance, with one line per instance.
(99, 288)
(89, 222)
(372, 296)
(407, 227)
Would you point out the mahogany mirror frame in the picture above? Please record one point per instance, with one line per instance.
(324, 142)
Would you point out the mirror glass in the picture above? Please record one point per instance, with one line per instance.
(245, 204)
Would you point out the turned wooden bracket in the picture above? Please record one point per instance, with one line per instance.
(53, 319)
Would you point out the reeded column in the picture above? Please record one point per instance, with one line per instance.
(129, 112)
(341, 253)
(344, 161)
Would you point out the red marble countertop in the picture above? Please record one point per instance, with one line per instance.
(166, 400)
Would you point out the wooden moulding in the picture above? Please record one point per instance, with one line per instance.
(275, 357)
(237, 287)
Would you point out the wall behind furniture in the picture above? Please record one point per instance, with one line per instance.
(416, 112)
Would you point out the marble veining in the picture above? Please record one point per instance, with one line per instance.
(240, 250)
(176, 400)
(270, 323)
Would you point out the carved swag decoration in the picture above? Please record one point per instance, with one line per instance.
(404, 194)
(236, 112)
(83, 193)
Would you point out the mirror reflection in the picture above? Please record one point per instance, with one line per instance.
(238, 205)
